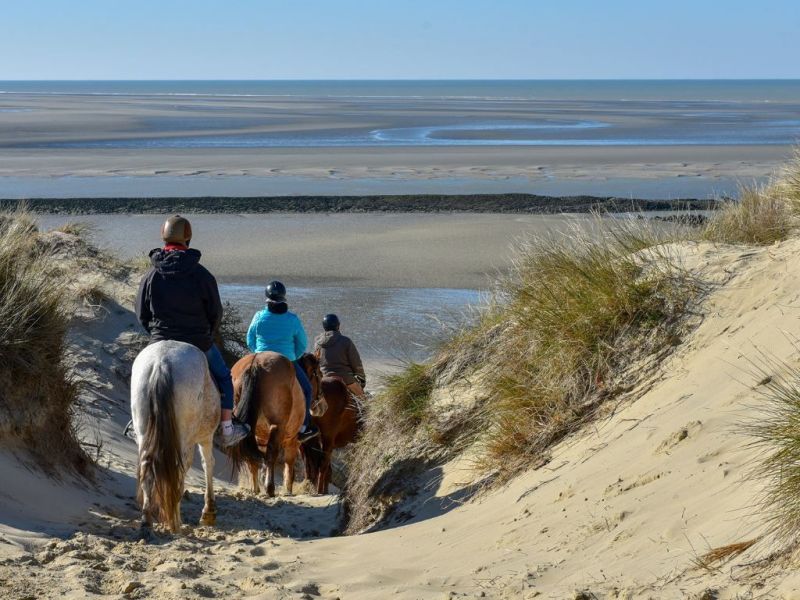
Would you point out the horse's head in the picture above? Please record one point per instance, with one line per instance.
(310, 364)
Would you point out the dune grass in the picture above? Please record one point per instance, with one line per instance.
(763, 214)
(38, 395)
(776, 433)
(760, 216)
(552, 345)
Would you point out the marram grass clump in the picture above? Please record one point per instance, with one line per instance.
(579, 311)
(576, 311)
(776, 431)
(763, 214)
(36, 392)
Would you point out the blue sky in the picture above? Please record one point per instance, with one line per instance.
(398, 39)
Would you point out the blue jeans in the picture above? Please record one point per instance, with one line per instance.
(302, 379)
(222, 376)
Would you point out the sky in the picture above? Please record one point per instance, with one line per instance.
(399, 39)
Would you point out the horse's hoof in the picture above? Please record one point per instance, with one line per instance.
(145, 532)
(208, 519)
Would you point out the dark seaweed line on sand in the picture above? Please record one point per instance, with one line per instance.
(429, 203)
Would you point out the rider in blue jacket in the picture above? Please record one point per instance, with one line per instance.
(276, 329)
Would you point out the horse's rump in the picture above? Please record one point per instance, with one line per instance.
(164, 376)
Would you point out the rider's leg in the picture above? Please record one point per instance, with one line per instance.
(222, 376)
(356, 389)
(231, 432)
(302, 378)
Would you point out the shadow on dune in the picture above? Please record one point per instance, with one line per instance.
(408, 493)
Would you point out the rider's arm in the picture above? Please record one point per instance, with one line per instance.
(300, 339)
(251, 333)
(143, 312)
(213, 302)
(355, 362)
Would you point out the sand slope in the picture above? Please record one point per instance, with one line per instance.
(622, 510)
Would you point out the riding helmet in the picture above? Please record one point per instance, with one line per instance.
(330, 322)
(275, 291)
(176, 230)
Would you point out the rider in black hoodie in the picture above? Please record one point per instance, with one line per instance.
(179, 300)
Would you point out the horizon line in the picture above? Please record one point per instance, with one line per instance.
(410, 79)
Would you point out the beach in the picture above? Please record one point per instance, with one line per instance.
(264, 138)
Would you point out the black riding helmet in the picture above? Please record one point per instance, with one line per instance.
(275, 291)
(330, 322)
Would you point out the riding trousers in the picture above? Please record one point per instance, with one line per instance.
(222, 376)
(302, 379)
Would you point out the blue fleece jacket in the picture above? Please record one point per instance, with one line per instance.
(282, 333)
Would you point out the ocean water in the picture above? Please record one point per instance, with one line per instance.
(283, 114)
(741, 90)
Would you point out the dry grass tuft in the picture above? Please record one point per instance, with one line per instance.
(37, 392)
(710, 559)
(80, 229)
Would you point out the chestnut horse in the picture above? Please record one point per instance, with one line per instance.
(175, 407)
(269, 398)
(339, 426)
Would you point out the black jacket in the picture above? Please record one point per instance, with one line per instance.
(178, 299)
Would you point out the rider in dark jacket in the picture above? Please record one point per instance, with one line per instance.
(338, 356)
(179, 300)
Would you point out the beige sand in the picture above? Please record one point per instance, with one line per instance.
(621, 511)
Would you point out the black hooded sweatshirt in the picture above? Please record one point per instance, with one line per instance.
(178, 299)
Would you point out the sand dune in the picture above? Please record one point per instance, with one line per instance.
(590, 523)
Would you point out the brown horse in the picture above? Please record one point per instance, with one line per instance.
(270, 400)
(339, 426)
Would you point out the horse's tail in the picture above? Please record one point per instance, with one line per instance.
(160, 462)
(247, 410)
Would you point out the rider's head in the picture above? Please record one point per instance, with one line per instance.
(275, 292)
(176, 230)
(330, 323)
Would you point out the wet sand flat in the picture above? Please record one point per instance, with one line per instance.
(409, 138)
(362, 250)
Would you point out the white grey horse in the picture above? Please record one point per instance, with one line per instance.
(175, 406)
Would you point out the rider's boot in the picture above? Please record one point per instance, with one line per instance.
(231, 433)
(308, 433)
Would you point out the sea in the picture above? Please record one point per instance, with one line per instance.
(448, 113)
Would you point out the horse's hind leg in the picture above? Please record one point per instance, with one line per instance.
(254, 472)
(290, 457)
(324, 476)
(146, 489)
(271, 459)
(209, 516)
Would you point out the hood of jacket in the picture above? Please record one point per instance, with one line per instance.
(328, 339)
(175, 263)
